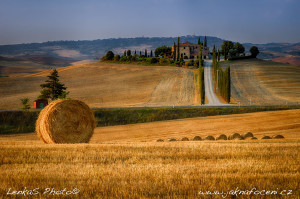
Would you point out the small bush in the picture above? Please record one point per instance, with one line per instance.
(153, 60)
(117, 58)
(123, 58)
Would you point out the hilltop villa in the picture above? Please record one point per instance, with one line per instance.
(190, 50)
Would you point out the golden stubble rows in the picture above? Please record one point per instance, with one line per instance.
(150, 169)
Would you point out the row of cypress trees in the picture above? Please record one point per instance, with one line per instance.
(221, 77)
(201, 78)
(128, 53)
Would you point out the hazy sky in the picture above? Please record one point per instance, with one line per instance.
(256, 21)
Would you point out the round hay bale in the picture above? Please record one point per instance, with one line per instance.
(172, 140)
(266, 137)
(159, 140)
(278, 137)
(235, 136)
(65, 121)
(185, 139)
(222, 137)
(254, 138)
(209, 138)
(247, 135)
(197, 138)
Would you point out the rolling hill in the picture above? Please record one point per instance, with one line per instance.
(108, 85)
(260, 82)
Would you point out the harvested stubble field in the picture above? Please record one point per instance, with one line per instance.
(108, 85)
(150, 169)
(126, 162)
(264, 82)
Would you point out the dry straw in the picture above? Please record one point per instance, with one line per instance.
(209, 138)
(66, 121)
(222, 137)
(266, 137)
(247, 135)
(235, 136)
(197, 138)
(278, 137)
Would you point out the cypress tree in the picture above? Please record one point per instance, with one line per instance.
(174, 53)
(146, 53)
(200, 55)
(228, 85)
(218, 55)
(201, 84)
(205, 41)
(178, 55)
(128, 53)
(202, 87)
(140, 53)
(199, 41)
(125, 53)
(135, 53)
(151, 54)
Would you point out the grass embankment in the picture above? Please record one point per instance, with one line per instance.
(152, 170)
(23, 122)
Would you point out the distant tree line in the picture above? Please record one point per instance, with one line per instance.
(221, 78)
(160, 56)
(235, 51)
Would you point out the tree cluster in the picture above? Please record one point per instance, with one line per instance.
(162, 51)
(146, 58)
(230, 50)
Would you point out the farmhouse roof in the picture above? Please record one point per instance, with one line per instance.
(186, 44)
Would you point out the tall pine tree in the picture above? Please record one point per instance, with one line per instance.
(53, 89)
(178, 53)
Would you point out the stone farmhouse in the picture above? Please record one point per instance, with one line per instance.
(190, 50)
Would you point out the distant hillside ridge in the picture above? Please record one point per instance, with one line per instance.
(95, 49)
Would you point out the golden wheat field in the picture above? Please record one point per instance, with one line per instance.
(111, 166)
(151, 170)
